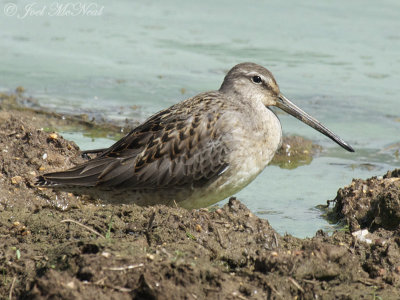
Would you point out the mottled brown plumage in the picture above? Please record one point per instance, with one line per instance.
(196, 152)
(175, 147)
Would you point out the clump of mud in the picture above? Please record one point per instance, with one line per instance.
(372, 203)
(62, 246)
(25, 152)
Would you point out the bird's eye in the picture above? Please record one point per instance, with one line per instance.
(256, 79)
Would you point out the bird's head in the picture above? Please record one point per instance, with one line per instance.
(252, 82)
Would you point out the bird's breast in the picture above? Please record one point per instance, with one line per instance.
(252, 143)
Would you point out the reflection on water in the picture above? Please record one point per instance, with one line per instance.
(136, 58)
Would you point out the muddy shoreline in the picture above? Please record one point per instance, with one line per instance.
(63, 246)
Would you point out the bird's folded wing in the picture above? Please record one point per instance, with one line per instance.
(169, 149)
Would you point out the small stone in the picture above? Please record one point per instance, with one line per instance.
(199, 228)
(16, 224)
(70, 285)
(361, 235)
(53, 136)
(274, 253)
(150, 256)
(105, 254)
(16, 180)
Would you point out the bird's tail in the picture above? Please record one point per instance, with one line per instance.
(85, 175)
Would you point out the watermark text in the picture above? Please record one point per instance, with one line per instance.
(55, 9)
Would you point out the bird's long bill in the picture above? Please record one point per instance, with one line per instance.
(286, 105)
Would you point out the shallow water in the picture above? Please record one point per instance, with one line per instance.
(339, 61)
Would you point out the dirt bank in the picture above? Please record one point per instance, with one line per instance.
(62, 246)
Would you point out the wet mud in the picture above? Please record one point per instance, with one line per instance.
(64, 246)
(372, 203)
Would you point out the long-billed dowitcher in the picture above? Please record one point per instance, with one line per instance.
(196, 152)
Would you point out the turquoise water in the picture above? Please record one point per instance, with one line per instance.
(338, 60)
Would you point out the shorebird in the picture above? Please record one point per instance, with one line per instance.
(196, 152)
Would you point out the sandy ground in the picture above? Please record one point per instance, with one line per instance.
(63, 246)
